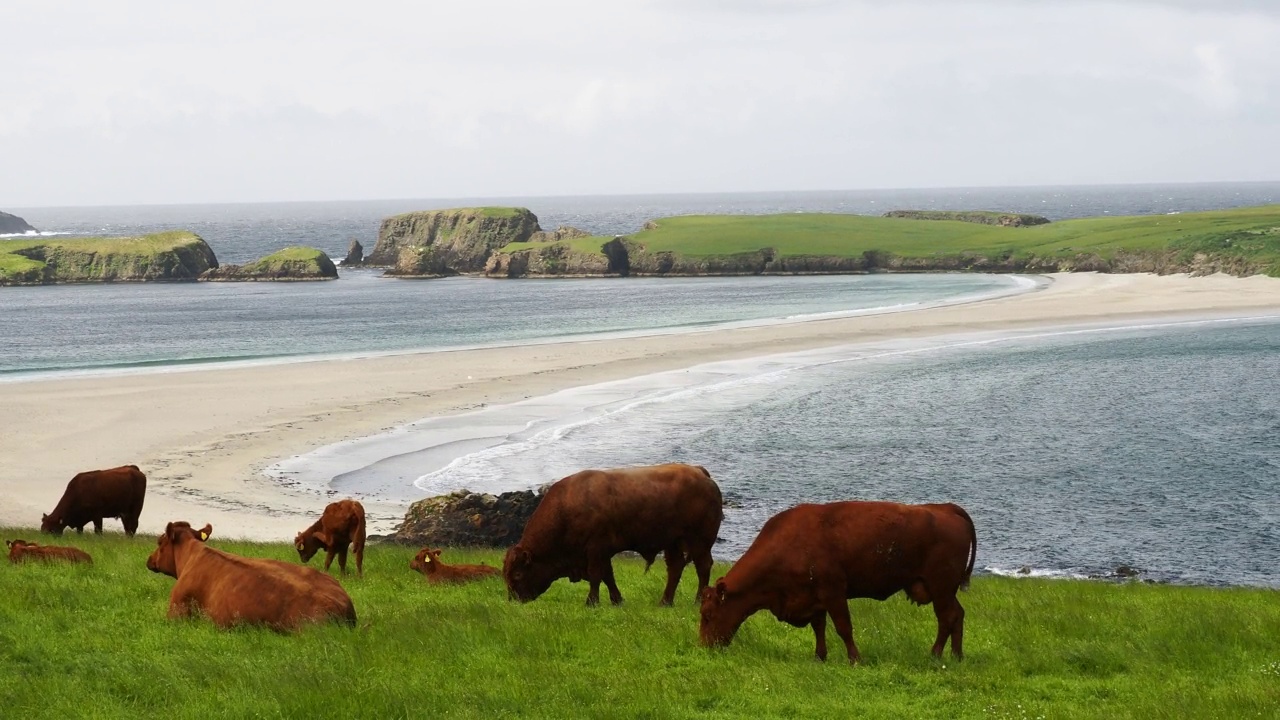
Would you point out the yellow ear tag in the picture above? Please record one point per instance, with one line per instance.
(204, 535)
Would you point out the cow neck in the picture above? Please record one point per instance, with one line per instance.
(184, 551)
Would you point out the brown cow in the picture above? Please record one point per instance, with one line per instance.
(587, 518)
(341, 525)
(98, 494)
(808, 561)
(427, 562)
(23, 551)
(234, 590)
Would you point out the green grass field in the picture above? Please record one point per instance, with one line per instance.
(1252, 233)
(78, 641)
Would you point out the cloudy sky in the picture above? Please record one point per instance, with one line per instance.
(124, 102)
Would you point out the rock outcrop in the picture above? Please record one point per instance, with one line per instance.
(982, 217)
(437, 243)
(467, 519)
(355, 254)
(12, 225)
(292, 263)
(175, 255)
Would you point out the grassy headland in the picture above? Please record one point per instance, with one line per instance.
(1241, 241)
(78, 640)
(291, 263)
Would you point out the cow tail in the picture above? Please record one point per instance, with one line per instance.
(973, 545)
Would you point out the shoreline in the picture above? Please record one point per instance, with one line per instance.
(205, 436)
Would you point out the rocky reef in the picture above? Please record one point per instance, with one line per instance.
(438, 243)
(982, 217)
(12, 225)
(467, 519)
(291, 263)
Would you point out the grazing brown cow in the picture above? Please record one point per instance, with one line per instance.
(234, 590)
(341, 525)
(98, 494)
(23, 551)
(427, 562)
(807, 561)
(587, 518)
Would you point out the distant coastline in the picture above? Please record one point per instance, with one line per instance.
(508, 242)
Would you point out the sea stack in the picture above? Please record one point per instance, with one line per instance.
(437, 243)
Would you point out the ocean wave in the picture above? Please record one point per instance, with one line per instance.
(35, 233)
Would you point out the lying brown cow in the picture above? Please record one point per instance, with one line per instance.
(807, 561)
(341, 526)
(234, 590)
(23, 551)
(587, 518)
(427, 562)
(98, 494)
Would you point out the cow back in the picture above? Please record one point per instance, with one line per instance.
(233, 589)
(644, 509)
(102, 493)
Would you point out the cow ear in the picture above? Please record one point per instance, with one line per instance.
(168, 531)
(205, 532)
(319, 535)
(436, 554)
(721, 590)
(525, 557)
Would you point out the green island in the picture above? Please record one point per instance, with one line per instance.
(291, 263)
(175, 255)
(95, 640)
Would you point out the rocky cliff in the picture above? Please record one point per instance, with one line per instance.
(292, 263)
(627, 257)
(12, 224)
(176, 255)
(448, 242)
(982, 217)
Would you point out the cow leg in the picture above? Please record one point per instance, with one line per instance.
(342, 559)
(950, 625)
(839, 609)
(328, 558)
(97, 526)
(674, 557)
(820, 634)
(615, 596)
(702, 563)
(130, 525)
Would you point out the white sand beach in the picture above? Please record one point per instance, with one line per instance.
(203, 435)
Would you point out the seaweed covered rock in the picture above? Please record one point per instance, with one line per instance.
(466, 519)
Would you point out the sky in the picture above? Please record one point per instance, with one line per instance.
(142, 102)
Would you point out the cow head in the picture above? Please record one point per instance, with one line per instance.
(308, 543)
(718, 624)
(163, 559)
(525, 579)
(16, 548)
(51, 525)
(427, 561)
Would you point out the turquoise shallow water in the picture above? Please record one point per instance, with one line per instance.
(130, 326)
